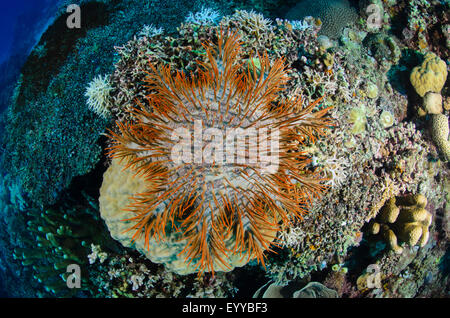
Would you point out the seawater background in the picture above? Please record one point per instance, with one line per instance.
(22, 23)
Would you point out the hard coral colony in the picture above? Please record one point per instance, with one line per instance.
(234, 206)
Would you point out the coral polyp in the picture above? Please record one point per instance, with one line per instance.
(220, 150)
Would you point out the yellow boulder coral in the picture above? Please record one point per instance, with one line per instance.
(440, 132)
(403, 219)
(117, 188)
(430, 76)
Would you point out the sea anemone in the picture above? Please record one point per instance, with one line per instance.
(263, 182)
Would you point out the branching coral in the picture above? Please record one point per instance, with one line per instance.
(209, 200)
(150, 31)
(204, 16)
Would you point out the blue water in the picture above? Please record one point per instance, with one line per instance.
(20, 16)
(10, 13)
(22, 23)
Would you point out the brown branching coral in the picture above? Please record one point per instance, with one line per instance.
(191, 188)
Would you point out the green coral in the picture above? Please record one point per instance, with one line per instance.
(62, 237)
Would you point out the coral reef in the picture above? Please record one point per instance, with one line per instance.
(403, 219)
(421, 25)
(50, 137)
(370, 234)
(380, 153)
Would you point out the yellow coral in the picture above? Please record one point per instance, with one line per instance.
(117, 188)
(430, 76)
(386, 119)
(439, 132)
(403, 219)
(389, 212)
(390, 190)
(432, 103)
(358, 118)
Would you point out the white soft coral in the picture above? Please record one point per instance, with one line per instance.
(206, 16)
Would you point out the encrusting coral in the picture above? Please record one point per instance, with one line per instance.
(403, 218)
(390, 155)
(209, 201)
(428, 79)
